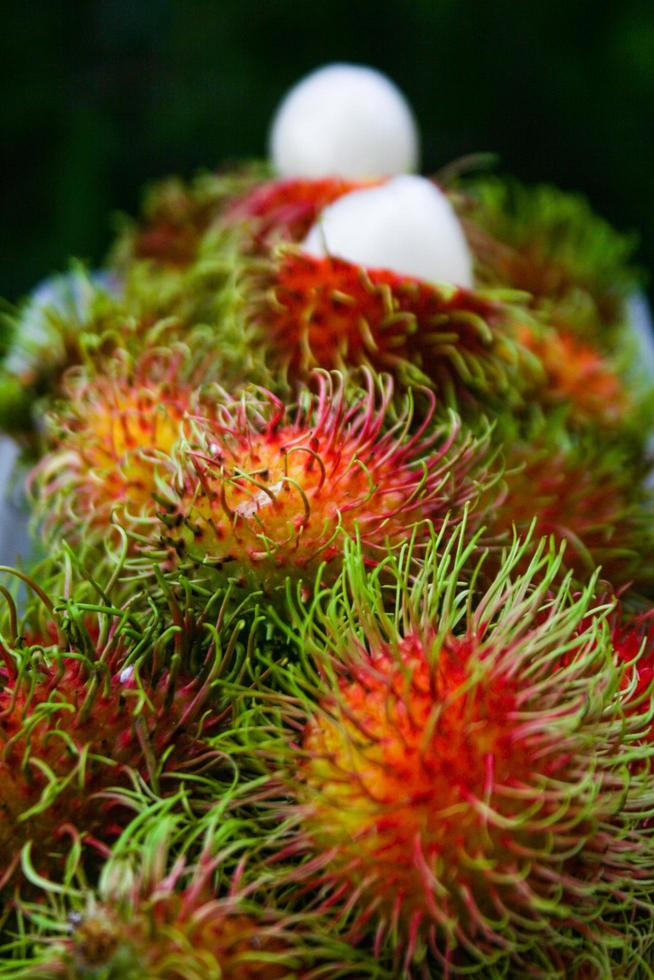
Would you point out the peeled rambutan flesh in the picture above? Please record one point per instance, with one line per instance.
(268, 491)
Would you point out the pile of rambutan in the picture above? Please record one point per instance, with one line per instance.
(334, 653)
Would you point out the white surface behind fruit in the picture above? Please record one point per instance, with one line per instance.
(407, 225)
(641, 320)
(344, 120)
(14, 515)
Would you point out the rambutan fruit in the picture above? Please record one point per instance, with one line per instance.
(79, 325)
(463, 787)
(551, 244)
(580, 378)
(176, 903)
(175, 216)
(344, 119)
(93, 716)
(330, 313)
(633, 641)
(285, 210)
(593, 496)
(159, 915)
(59, 322)
(107, 439)
(268, 491)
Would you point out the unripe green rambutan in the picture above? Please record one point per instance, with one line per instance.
(466, 785)
(330, 313)
(269, 491)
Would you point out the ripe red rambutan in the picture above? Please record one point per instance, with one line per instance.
(269, 491)
(330, 313)
(107, 440)
(463, 787)
(579, 376)
(285, 210)
(176, 216)
(592, 496)
(75, 723)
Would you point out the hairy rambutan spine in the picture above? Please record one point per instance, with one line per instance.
(579, 378)
(552, 245)
(330, 313)
(594, 496)
(103, 709)
(107, 442)
(466, 788)
(179, 901)
(269, 491)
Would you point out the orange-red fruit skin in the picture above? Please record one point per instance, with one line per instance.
(87, 734)
(330, 313)
(286, 209)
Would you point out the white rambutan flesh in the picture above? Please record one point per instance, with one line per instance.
(345, 120)
(406, 225)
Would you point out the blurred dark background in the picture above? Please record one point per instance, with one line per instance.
(100, 97)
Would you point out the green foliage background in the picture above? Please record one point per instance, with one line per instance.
(98, 97)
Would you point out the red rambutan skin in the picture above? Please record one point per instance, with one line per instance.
(69, 733)
(395, 781)
(577, 374)
(285, 210)
(438, 807)
(633, 642)
(330, 313)
(269, 491)
(597, 514)
(177, 218)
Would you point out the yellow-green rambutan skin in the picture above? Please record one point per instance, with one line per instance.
(108, 439)
(44, 361)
